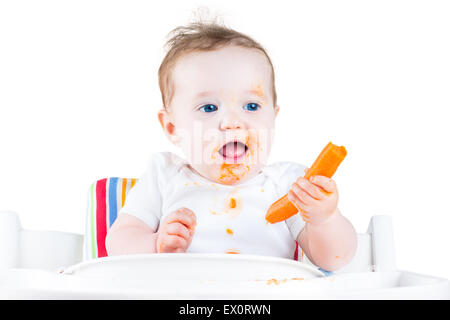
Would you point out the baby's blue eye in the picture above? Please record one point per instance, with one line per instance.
(252, 106)
(208, 108)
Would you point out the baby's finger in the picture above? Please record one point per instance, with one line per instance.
(313, 190)
(301, 207)
(325, 183)
(172, 242)
(296, 201)
(305, 217)
(182, 216)
(178, 229)
(190, 214)
(304, 196)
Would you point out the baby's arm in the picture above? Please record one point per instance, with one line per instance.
(330, 245)
(130, 235)
(328, 238)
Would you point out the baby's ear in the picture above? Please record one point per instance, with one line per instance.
(277, 109)
(167, 125)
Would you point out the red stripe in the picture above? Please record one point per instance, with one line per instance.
(101, 217)
(296, 251)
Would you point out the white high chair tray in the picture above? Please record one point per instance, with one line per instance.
(212, 276)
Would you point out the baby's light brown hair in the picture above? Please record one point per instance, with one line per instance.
(201, 36)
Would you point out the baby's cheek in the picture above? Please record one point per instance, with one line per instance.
(261, 145)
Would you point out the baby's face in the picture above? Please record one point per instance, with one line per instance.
(222, 113)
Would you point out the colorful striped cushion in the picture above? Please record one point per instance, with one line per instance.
(106, 197)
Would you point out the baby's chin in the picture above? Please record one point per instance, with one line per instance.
(233, 162)
(229, 173)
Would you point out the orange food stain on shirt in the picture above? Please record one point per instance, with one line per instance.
(233, 204)
(229, 231)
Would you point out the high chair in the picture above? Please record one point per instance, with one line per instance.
(61, 265)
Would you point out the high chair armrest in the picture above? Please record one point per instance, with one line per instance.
(49, 250)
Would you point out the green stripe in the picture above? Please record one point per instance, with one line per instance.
(93, 244)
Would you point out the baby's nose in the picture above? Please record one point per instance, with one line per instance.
(231, 120)
(231, 123)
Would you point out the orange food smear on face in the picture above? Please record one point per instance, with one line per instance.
(231, 173)
(214, 153)
(259, 91)
(232, 251)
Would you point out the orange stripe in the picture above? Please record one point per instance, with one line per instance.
(133, 181)
(124, 190)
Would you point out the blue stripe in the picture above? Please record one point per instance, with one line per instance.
(112, 200)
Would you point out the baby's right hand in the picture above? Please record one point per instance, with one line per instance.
(176, 231)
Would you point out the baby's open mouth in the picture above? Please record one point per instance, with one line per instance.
(233, 151)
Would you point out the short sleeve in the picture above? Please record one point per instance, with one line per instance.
(144, 200)
(289, 172)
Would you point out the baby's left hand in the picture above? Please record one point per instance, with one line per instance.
(316, 199)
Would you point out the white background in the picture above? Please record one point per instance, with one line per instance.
(79, 96)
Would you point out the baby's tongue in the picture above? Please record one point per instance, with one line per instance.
(233, 150)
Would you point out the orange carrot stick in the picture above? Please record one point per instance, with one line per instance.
(326, 165)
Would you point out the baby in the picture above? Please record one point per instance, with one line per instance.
(219, 108)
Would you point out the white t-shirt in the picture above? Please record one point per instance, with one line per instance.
(229, 218)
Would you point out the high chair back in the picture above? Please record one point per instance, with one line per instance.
(105, 198)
